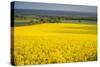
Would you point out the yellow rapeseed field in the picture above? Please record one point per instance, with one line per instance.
(55, 43)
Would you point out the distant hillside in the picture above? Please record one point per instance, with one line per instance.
(53, 13)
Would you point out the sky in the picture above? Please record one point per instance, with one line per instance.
(52, 6)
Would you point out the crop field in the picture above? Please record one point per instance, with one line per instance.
(55, 43)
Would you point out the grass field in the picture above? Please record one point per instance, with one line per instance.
(55, 43)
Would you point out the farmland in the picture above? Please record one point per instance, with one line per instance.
(54, 43)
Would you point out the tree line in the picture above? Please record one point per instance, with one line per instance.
(38, 19)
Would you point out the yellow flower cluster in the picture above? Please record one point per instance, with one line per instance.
(52, 48)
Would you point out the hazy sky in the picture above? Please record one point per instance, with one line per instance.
(48, 6)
